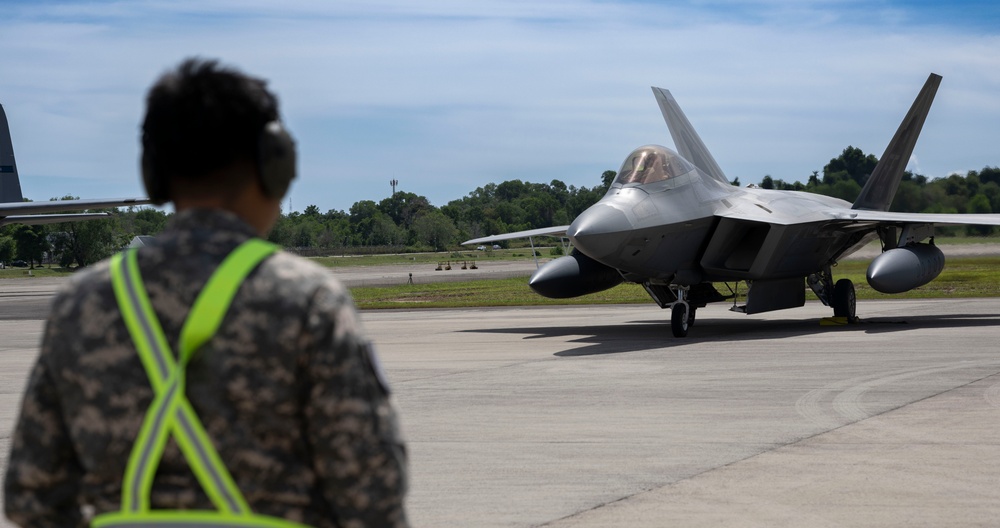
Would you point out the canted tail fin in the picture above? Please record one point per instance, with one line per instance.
(10, 186)
(687, 141)
(881, 186)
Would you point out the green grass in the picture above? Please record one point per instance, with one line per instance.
(481, 293)
(17, 273)
(429, 258)
(962, 278)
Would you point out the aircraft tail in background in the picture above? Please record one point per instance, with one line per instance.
(13, 208)
(10, 186)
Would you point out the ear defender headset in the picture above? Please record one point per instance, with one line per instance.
(275, 165)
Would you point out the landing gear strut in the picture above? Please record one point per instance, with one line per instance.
(681, 314)
(841, 297)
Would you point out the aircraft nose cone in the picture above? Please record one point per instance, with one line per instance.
(599, 231)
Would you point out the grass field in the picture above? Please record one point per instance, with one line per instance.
(962, 277)
(431, 258)
(17, 273)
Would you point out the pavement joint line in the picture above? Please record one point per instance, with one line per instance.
(763, 452)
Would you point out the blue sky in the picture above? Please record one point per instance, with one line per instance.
(448, 95)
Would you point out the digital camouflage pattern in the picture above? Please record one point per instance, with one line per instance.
(288, 390)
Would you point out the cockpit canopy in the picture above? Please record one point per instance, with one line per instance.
(650, 164)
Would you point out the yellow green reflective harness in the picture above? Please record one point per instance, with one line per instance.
(170, 412)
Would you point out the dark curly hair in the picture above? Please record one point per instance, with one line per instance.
(200, 118)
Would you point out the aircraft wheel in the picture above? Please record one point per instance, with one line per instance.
(680, 316)
(845, 301)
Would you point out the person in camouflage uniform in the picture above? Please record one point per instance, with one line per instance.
(289, 389)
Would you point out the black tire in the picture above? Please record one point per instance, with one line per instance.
(679, 320)
(845, 301)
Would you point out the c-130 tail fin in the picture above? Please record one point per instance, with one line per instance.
(10, 186)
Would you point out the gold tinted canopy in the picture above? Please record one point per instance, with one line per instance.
(652, 163)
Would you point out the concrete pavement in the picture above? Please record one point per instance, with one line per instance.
(596, 416)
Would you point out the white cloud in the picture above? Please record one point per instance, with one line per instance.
(449, 95)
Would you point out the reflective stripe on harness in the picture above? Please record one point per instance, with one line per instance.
(171, 413)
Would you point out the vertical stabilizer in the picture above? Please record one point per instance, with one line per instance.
(10, 186)
(688, 144)
(882, 184)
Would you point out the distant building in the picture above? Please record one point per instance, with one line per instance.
(142, 241)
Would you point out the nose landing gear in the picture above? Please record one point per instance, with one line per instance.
(681, 314)
(681, 318)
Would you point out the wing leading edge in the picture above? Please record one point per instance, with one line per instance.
(557, 231)
(886, 217)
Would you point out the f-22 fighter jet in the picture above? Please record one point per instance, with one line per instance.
(673, 223)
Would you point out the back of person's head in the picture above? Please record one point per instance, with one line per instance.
(202, 118)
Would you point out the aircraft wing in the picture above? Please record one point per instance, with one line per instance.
(27, 208)
(860, 215)
(557, 231)
(13, 208)
(50, 218)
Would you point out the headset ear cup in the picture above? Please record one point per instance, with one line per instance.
(275, 159)
(156, 187)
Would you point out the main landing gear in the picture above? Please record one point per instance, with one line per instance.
(840, 296)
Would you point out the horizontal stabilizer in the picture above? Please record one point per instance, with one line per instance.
(881, 187)
(687, 141)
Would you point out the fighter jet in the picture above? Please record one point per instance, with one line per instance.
(673, 223)
(13, 208)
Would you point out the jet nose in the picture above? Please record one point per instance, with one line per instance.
(599, 231)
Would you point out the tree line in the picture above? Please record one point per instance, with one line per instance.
(408, 222)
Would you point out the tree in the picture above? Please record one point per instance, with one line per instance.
(436, 230)
(6, 249)
(149, 222)
(404, 207)
(852, 164)
(607, 178)
(979, 204)
(84, 242)
(382, 231)
(510, 190)
(30, 243)
(813, 179)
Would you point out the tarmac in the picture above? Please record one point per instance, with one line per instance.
(597, 416)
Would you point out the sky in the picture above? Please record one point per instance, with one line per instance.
(449, 95)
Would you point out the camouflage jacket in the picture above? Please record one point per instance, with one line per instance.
(289, 390)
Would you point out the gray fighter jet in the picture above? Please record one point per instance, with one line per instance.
(13, 208)
(673, 223)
